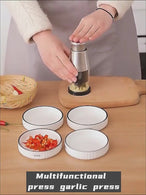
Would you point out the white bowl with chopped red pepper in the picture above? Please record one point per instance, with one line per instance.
(42, 117)
(39, 143)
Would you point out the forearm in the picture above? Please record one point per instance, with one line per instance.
(29, 17)
(120, 6)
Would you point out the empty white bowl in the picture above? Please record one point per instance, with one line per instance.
(86, 144)
(87, 117)
(42, 117)
(33, 154)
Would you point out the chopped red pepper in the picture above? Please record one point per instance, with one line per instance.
(3, 123)
(40, 143)
(16, 89)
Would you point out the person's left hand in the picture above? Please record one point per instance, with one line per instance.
(92, 26)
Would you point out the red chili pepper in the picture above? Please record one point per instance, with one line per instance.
(16, 89)
(41, 143)
(3, 123)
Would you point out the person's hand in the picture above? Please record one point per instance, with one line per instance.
(93, 25)
(55, 55)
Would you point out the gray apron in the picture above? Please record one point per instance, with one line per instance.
(115, 53)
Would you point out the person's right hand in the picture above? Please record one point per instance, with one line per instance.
(55, 55)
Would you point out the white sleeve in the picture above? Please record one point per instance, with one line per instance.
(120, 6)
(29, 17)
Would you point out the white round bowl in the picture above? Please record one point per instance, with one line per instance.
(87, 117)
(42, 117)
(33, 154)
(86, 144)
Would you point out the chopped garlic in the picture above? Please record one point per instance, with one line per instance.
(15, 92)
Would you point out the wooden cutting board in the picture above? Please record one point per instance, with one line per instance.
(105, 92)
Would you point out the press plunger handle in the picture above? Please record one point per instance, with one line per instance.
(141, 85)
(78, 47)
